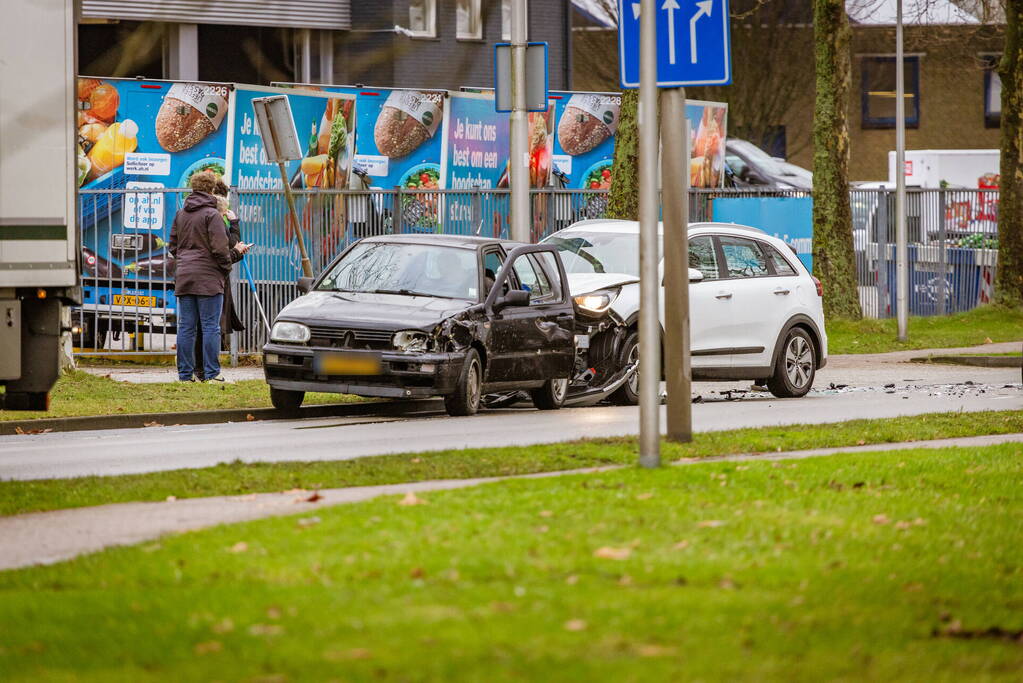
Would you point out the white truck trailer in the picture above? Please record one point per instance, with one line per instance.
(950, 168)
(39, 273)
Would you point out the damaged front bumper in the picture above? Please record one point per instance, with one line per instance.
(401, 375)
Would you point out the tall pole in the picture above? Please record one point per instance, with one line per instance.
(901, 247)
(649, 324)
(519, 125)
(675, 202)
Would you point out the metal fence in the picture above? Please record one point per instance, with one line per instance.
(129, 302)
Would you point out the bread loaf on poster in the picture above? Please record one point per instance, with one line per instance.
(188, 114)
(587, 121)
(408, 119)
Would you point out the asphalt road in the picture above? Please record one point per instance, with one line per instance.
(861, 392)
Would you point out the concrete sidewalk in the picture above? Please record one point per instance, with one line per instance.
(49, 537)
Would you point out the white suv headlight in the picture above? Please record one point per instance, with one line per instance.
(411, 340)
(598, 301)
(293, 333)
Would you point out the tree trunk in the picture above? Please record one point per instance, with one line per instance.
(623, 201)
(833, 258)
(1009, 275)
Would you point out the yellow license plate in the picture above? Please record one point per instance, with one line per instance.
(347, 364)
(133, 300)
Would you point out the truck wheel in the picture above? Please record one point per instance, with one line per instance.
(284, 399)
(628, 393)
(466, 398)
(551, 395)
(796, 365)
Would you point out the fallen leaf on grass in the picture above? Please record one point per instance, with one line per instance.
(546, 513)
(171, 499)
(710, 524)
(342, 655)
(861, 442)
(575, 625)
(645, 496)
(240, 547)
(881, 519)
(416, 460)
(208, 647)
(273, 613)
(987, 340)
(571, 579)
(903, 524)
(411, 499)
(417, 573)
(266, 629)
(307, 522)
(681, 545)
(625, 580)
(609, 553)
(727, 584)
(651, 650)
(225, 625)
(250, 417)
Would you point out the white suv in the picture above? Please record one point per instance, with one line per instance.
(755, 313)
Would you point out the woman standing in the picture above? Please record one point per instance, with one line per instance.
(198, 243)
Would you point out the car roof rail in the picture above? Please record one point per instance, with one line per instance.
(720, 224)
(594, 221)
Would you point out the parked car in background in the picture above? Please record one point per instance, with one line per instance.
(748, 166)
(411, 316)
(755, 312)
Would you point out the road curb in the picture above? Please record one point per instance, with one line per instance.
(976, 361)
(138, 420)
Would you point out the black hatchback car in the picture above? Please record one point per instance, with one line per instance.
(409, 316)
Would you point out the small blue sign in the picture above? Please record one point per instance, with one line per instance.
(693, 44)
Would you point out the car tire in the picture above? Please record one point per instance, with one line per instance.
(551, 395)
(285, 399)
(467, 395)
(628, 393)
(796, 366)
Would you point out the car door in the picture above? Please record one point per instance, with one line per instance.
(533, 342)
(754, 305)
(709, 311)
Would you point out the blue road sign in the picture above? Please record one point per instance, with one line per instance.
(693, 45)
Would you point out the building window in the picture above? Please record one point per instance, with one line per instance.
(422, 18)
(878, 91)
(470, 24)
(992, 92)
(506, 20)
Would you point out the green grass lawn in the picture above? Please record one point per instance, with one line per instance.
(79, 393)
(854, 567)
(961, 329)
(240, 478)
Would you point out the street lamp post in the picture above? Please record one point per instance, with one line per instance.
(518, 176)
(901, 247)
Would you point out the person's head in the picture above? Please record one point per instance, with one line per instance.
(222, 205)
(221, 190)
(203, 181)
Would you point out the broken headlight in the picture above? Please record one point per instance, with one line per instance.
(294, 333)
(411, 340)
(598, 301)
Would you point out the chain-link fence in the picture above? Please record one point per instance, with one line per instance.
(129, 303)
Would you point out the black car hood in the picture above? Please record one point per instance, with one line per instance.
(372, 311)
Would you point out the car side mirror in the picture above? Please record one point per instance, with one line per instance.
(305, 284)
(695, 275)
(515, 297)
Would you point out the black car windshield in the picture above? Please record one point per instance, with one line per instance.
(406, 269)
(598, 252)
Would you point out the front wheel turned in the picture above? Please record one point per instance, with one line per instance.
(466, 398)
(796, 366)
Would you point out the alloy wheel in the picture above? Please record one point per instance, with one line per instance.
(798, 362)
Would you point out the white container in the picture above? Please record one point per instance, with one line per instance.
(926, 168)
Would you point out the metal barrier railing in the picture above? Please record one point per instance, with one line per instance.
(129, 303)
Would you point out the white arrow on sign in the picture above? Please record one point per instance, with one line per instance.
(705, 9)
(635, 10)
(671, 6)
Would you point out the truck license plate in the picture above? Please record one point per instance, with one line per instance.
(347, 364)
(134, 300)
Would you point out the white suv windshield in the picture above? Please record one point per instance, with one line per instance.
(411, 269)
(598, 252)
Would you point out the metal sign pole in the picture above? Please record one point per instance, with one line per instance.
(307, 267)
(649, 324)
(519, 126)
(901, 247)
(675, 202)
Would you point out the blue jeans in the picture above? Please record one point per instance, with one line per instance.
(195, 310)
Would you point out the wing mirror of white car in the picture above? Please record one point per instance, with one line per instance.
(695, 275)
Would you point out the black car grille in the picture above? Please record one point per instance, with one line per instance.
(345, 338)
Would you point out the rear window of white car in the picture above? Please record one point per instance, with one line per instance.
(781, 264)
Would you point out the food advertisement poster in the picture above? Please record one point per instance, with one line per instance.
(325, 123)
(398, 135)
(707, 129)
(584, 144)
(140, 135)
(475, 150)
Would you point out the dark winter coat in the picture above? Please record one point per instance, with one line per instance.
(199, 245)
